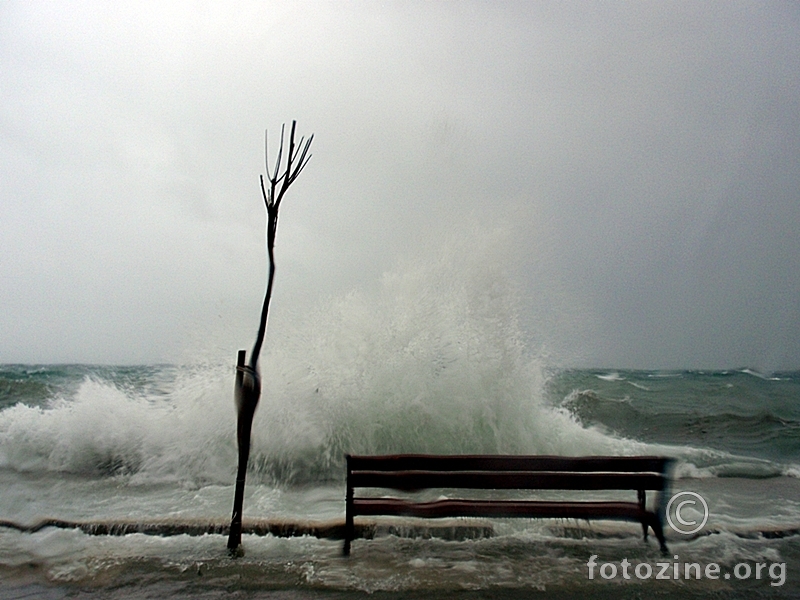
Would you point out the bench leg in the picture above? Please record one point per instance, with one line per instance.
(349, 533)
(349, 530)
(659, 531)
(642, 505)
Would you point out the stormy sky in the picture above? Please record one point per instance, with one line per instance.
(640, 161)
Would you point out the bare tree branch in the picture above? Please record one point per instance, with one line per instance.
(248, 379)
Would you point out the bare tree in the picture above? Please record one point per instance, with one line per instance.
(248, 379)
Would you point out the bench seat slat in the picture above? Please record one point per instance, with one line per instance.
(499, 509)
(473, 462)
(516, 480)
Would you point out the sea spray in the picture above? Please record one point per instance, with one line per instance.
(430, 359)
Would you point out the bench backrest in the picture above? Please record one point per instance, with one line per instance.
(420, 471)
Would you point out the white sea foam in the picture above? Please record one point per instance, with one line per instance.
(105, 430)
(611, 377)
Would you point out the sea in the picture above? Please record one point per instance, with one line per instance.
(156, 445)
(118, 481)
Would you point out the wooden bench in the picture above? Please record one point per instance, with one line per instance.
(414, 472)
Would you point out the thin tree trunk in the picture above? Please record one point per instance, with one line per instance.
(248, 380)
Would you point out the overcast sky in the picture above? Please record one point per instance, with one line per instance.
(640, 159)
